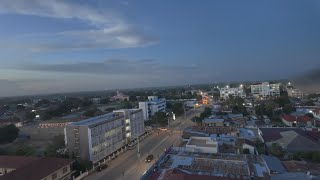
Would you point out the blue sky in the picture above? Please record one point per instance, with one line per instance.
(68, 45)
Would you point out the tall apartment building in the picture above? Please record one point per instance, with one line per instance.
(225, 92)
(96, 138)
(153, 105)
(265, 89)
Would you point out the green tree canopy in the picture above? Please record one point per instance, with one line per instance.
(8, 133)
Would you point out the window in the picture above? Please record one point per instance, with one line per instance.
(64, 170)
(54, 176)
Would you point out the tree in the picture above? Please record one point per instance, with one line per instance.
(269, 108)
(125, 105)
(104, 101)
(288, 108)
(245, 151)
(160, 117)
(30, 115)
(177, 108)
(276, 150)
(56, 143)
(196, 119)
(90, 112)
(206, 113)
(282, 101)
(133, 98)
(8, 133)
(20, 107)
(109, 109)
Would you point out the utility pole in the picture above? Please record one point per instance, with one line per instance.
(138, 146)
(184, 110)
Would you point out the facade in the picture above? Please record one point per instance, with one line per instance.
(225, 92)
(96, 138)
(293, 92)
(153, 105)
(213, 122)
(20, 167)
(265, 89)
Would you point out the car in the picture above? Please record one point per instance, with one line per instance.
(162, 129)
(102, 167)
(149, 158)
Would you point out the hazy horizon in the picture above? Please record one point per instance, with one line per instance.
(70, 46)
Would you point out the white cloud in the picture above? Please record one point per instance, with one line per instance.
(108, 30)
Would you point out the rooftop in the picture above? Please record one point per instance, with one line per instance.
(94, 120)
(214, 165)
(34, 168)
(15, 162)
(274, 164)
(213, 120)
(290, 118)
(201, 142)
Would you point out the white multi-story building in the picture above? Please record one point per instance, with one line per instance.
(225, 92)
(153, 105)
(97, 138)
(265, 89)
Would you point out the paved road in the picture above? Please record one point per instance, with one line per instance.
(129, 166)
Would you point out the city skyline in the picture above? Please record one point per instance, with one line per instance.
(68, 46)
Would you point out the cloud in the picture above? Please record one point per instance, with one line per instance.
(143, 67)
(108, 29)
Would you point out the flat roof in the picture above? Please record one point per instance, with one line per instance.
(200, 143)
(213, 120)
(94, 120)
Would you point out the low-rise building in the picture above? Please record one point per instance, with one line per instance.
(294, 121)
(209, 165)
(202, 145)
(32, 168)
(213, 122)
(290, 139)
(96, 138)
(153, 105)
(293, 92)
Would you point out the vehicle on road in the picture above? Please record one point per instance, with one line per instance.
(162, 129)
(102, 167)
(149, 158)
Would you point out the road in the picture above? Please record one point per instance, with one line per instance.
(129, 166)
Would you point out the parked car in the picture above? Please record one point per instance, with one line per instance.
(102, 167)
(149, 158)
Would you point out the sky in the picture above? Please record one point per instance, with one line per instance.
(57, 46)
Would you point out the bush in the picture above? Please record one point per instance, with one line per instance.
(8, 133)
(245, 151)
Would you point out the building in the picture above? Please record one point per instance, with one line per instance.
(120, 96)
(202, 145)
(97, 138)
(274, 164)
(31, 168)
(153, 105)
(213, 122)
(290, 139)
(293, 92)
(225, 92)
(208, 166)
(294, 121)
(265, 89)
